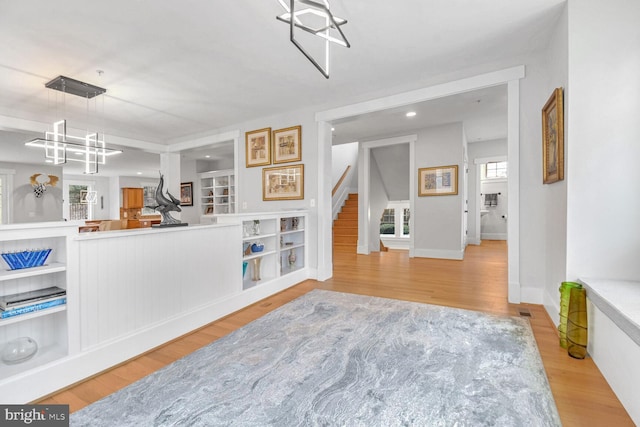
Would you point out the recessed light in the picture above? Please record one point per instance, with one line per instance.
(139, 173)
(48, 161)
(332, 129)
(207, 156)
(411, 114)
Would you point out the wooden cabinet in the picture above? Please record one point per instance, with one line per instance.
(132, 198)
(132, 204)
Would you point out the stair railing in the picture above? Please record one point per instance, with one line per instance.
(340, 192)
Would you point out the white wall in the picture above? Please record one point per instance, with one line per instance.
(438, 227)
(555, 195)
(378, 201)
(341, 156)
(603, 231)
(603, 178)
(26, 207)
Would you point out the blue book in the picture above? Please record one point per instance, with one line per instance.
(32, 308)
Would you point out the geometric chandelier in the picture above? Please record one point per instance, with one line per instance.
(89, 150)
(57, 144)
(316, 19)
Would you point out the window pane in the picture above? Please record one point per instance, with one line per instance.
(497, 170)
(387, 222)
(405, 222)
(77, 210)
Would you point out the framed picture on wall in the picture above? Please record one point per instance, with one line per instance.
(283, 183)
(287, 145)
(553, 138)
(438, 181)
(186, 194)
(258, 147)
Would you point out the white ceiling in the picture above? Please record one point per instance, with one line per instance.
(173, 69)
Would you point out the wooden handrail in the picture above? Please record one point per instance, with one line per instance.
(339, 183)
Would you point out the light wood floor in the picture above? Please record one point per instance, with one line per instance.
(479, 283)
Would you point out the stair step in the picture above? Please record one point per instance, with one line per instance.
(348, 215)
(353, 196)
(346, 223)
(345, 239)
(349, 208)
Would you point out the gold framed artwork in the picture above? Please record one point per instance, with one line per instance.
(186, 194)
(283, 183)
(553, 138)
(287, 145)
(258, 147)
(438, 181)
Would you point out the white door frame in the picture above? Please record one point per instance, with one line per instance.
(509, 76)
(364, 188)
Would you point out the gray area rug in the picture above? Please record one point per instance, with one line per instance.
(335, 359)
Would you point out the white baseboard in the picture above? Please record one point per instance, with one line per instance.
(531, 295)
(473, 241)
(493, 236)
(438, 253)
(396, 242)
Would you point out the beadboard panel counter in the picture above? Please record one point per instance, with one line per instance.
(130, 281)
(127, 292)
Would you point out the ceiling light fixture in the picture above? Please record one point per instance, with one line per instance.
(90, 149)
(301, 18)
(411, 114)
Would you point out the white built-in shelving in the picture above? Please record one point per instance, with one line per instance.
(285, 246)
(217, 192)
(48, 327)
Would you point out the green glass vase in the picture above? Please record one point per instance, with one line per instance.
(565, 293)
(577, 324)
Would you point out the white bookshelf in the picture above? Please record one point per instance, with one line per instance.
(282, 234)
(48, 327)
(217, 192)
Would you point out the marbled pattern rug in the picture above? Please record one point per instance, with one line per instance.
(336, 359)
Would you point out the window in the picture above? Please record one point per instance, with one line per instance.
(395, 220)
(77, 209)
(388, 221)
(495, 170)
(405, 221)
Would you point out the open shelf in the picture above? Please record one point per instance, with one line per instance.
(44, 355)
(52, 267)
(32, 315)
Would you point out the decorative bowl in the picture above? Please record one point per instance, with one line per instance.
(19, 350)
(257, 247)
(26, 259)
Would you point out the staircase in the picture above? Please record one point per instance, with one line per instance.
(345, 228)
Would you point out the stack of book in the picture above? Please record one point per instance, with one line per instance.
(28, 302)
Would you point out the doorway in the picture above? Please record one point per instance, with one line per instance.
(508, 77)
